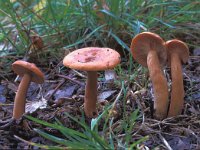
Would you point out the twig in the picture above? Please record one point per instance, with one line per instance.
(57, 87)
(133, 94)
(68, 78)
(6, 123)
(134, 133)
(1, 104)
(165, 142)
(10, 57)
(78, 73)
(194, 57)
(114, 103)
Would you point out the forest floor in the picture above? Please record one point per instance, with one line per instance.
(43, 32)
(63, 91)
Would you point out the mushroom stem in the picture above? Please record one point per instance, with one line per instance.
(20, 98)
(91, 95)
(177, 93)
(159, 85)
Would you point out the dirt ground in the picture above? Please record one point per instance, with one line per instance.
(63, 91)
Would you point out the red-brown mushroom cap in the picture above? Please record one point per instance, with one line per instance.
(145, 42)
(21, 67)
(92, 59)
(179, 47)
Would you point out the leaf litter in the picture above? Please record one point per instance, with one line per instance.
(65, 93)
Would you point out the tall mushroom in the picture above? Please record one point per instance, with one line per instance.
(92, 59)
(148, 49)
(29, 72)
(178, 53)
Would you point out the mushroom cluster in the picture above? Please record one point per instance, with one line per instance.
(151, 51)
(147, 48)
(90, 59)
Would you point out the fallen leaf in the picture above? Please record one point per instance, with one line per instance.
(196, 51)
(2, 92)
(49, 93)
(34, 105)
(2, 99)
(2, 89)
(104, 95)
(12, 87)
(193, 110)
(66, 92)
(60, 101)
(179, 143)
(110, 75)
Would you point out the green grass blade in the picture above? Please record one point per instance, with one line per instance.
(120, 41)
(88, 141)
(69, 144)
(95, 135)
(132, 146)
(58, 127)
(40, 145)
(87, 37)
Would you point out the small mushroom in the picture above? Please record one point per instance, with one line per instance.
(29, 72)
(149, 50)
(92, 59)
(178, 53)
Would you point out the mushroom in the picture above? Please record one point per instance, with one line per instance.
(29, 72)
(149, 50)
(92, 59)
(178, 53)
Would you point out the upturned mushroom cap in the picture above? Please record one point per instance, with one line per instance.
(179, 47)
(21, 67)
(92, 59)
(145, 42)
